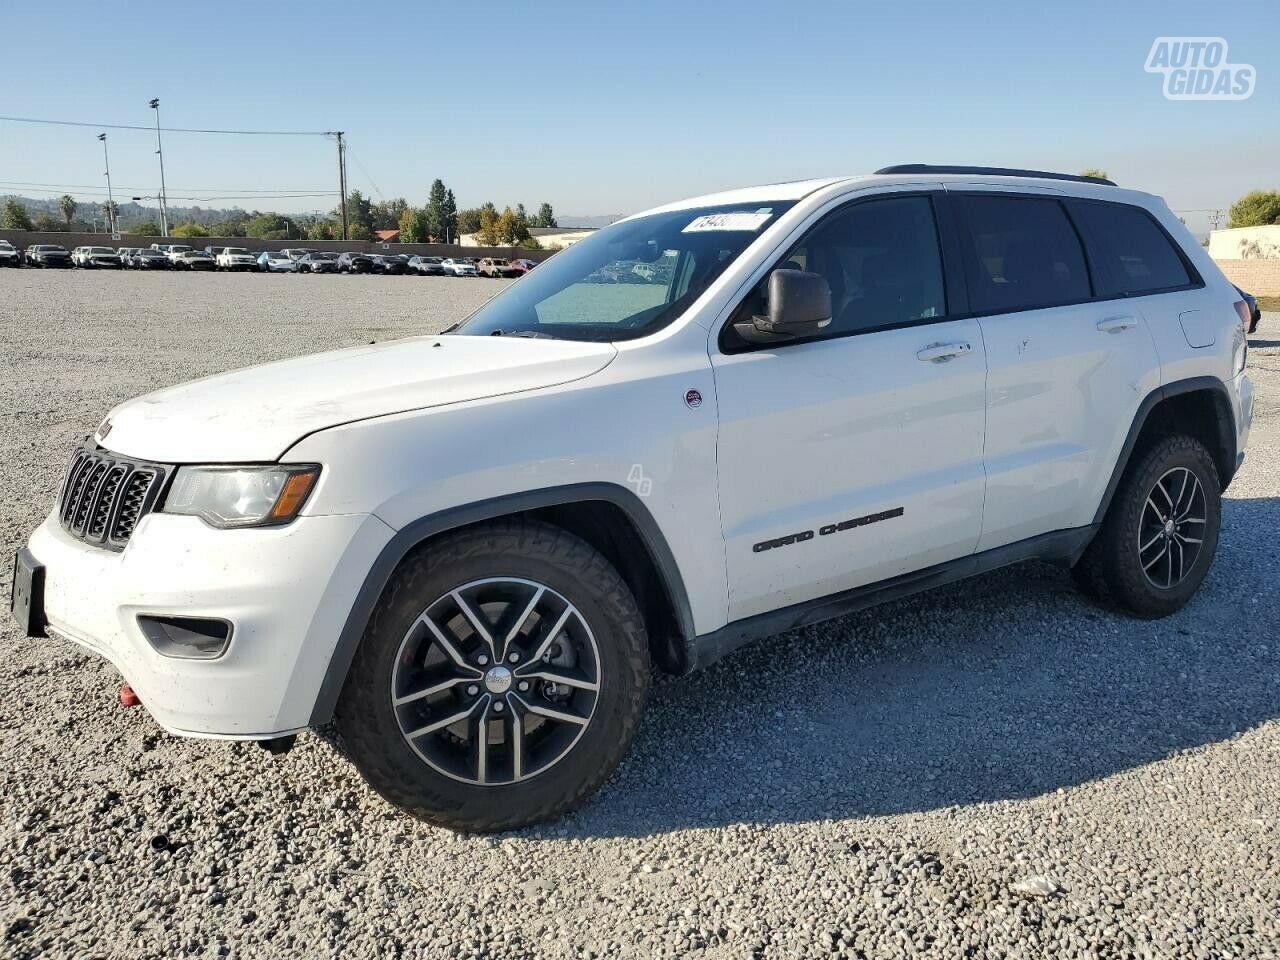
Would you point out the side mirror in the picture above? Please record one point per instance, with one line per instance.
(799, 306)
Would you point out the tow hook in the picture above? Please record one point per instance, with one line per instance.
(278, 746)
(127, 697)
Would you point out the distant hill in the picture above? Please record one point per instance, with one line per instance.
(130, 213)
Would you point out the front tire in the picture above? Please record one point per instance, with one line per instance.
(500, 680)
(1160, 533)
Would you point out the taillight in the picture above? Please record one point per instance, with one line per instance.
(1245, 314)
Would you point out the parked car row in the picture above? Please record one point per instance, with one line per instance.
(176, 256)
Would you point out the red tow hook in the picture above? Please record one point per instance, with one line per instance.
(127, 697)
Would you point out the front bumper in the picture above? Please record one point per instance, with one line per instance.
(286, 591)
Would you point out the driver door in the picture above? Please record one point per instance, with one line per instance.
(856, 455)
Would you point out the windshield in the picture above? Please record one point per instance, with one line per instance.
(101, 250)
(235, 250)
(627, 280)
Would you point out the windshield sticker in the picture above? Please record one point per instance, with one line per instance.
(750, 222)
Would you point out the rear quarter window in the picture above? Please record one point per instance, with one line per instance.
(1133, 254)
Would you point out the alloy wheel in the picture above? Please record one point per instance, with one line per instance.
(496, 681)
(1171, 528)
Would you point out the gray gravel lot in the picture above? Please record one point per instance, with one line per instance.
(997, 769)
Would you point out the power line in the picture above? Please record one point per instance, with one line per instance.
(132, 126)
(366, 173)
(98, 192)
(93, 186)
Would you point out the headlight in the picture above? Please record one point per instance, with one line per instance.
(241, 496)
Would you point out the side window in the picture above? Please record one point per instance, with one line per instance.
(1024, 254)
(1134, 254)
(882, 260)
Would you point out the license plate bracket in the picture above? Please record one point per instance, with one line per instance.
(26, 603)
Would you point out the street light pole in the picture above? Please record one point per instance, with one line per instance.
(111, 204)
(164, 204)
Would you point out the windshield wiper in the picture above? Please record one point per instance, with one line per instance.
(531, 334)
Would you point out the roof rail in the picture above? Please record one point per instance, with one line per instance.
(991, 172)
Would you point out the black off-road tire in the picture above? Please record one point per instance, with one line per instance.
(366, 720)
(1089, 574)
(1111, 570)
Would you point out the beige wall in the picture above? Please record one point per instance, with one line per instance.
(1259, 277)
(565, 239)
(1245, 243)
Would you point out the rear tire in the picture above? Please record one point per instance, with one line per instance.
(506, 762)
(1160, 533)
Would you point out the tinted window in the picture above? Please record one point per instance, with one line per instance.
(1024, 254)
(628, 280)
(882, 261)
(1134, 255)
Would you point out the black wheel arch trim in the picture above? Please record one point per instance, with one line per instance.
(1226, 426)
(424, 528)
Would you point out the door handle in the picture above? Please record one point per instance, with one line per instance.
(1117, 324)
(942, 352)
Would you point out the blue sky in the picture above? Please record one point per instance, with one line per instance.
(604, 108)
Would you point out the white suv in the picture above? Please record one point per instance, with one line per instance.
(707, 423)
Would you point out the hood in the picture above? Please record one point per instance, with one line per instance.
(257, 413)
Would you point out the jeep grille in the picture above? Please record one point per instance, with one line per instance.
(104, 496)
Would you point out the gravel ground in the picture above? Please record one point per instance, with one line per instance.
(997, 769)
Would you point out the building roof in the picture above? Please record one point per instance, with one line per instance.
(386, 236)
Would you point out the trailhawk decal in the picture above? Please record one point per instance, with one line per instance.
(826, 530)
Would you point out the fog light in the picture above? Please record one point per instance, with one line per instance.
(190, 638)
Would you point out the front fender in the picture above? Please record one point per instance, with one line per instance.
(424, 528)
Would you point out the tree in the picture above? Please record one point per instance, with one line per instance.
(14, 216)
(325, 230)
(1094, 172)
(435, 213)
(68, 206)
(359, 216)
(546, 217)
(148, 228)
(271, 226)
(511, 229)
(387, 213)
(45, 222)
(450, 218)
(111, 210)
(1258, 208)
(468, 221)
(413, 226)
(189, 230)
(233, 227)
(488, 235)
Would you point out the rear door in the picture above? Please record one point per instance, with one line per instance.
(856, 455)
(1067, 365)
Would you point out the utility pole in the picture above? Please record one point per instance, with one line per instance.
(342, 182)
(111, 204)
(164, 204)
(1215, 218)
